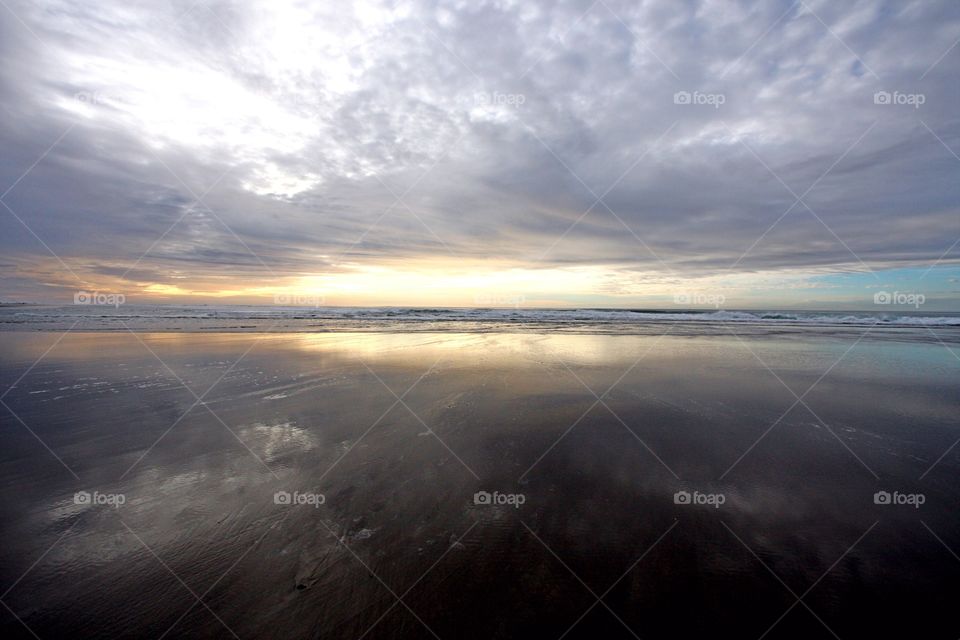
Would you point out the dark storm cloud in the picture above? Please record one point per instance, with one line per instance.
(499, 123)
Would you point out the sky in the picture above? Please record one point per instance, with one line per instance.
(653, 153)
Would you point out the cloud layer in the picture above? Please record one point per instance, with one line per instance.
(222, 146)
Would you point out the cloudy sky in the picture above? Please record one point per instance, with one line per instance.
(781, 154)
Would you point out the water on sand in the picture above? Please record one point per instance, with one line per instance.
(588, 446)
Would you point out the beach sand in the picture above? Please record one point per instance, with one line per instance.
(582, 442)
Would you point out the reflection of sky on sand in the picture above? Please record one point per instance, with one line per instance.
(385, 345)
(123, 350)
(488, 349)
(298, 403)
(120, 347)
(275, 440)
(886, 358)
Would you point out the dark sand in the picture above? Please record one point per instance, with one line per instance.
(200, 549)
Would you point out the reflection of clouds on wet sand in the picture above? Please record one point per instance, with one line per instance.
(273, 441)
(314, 414)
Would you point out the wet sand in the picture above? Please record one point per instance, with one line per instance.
(584, 440)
